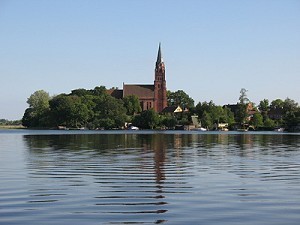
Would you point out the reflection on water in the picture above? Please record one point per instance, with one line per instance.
(156, 178)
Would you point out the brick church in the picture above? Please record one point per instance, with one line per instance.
(150, 95)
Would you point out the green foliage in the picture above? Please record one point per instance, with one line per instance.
(257, 120)
(132, 104)
(169, 122)
(92, 108)
(276, 104)
(241, 114)
(179, 98)
(148, 119)
(110, 110)
(37, 113)
(4, 122)
(269, 124)
(210, 114)
(39, 100)
(206, 120)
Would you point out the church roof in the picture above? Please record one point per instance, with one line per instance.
(140, 90)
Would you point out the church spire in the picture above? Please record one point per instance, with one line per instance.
(159, 56)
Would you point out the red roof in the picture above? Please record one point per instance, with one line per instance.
(140, 90)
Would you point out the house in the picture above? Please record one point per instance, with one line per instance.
(275, 114)
(172, 110)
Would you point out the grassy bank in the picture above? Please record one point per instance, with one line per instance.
(11, 127)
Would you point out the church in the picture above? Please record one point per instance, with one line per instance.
(150, 95)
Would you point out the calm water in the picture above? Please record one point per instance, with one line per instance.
(68, 177)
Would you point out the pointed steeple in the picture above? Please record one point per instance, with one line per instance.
(159, 56)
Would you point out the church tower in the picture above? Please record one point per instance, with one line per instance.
(160, 89)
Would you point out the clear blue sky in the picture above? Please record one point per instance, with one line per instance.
(211, 48)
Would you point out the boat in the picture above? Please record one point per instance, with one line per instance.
(199, 129)
(133, 128)
(242, 129)
(279, 129)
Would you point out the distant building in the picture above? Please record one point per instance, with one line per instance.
(172, 109)
(276, 114)
(150, 95)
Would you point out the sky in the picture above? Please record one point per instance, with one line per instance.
(211, 48)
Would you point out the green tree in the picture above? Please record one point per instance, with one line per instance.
(169, 122)
(37, 113)
(264, 108)
(179, 98)
(99, 91)
(206, 120)
(110, 110)
(80, 92)
(269, 124)
(39, 100)
(148, 119)
(132, 104)
(69, 111)
(243, 99)
(242, 113)
(257, 120)
(276, 104)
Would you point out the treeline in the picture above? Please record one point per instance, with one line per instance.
(4, 122)
(96, 109)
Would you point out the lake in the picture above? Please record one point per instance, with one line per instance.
(149, 177)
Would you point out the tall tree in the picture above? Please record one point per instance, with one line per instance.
(39, 101)
(179, 98)
(264, 108)
(37, 113)
(243, 99)
(242, 113)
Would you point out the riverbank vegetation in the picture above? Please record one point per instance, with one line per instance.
(96, 109)
(10, 124)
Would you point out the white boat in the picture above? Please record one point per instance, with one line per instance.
(280, 129)
(133, 128)
(199, 129)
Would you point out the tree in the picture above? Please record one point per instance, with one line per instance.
(179, 98)
(37, 113)
(257, 120)
(264, 108)
(39, 100)
(110, 110)
(242, 113)
(269, 124)
(206, 120)
(289, 105)
(148, 119)
(80, 92)
(276, 104)
(169, 121)
(99, 91)
(243, 96)
(132, 104)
